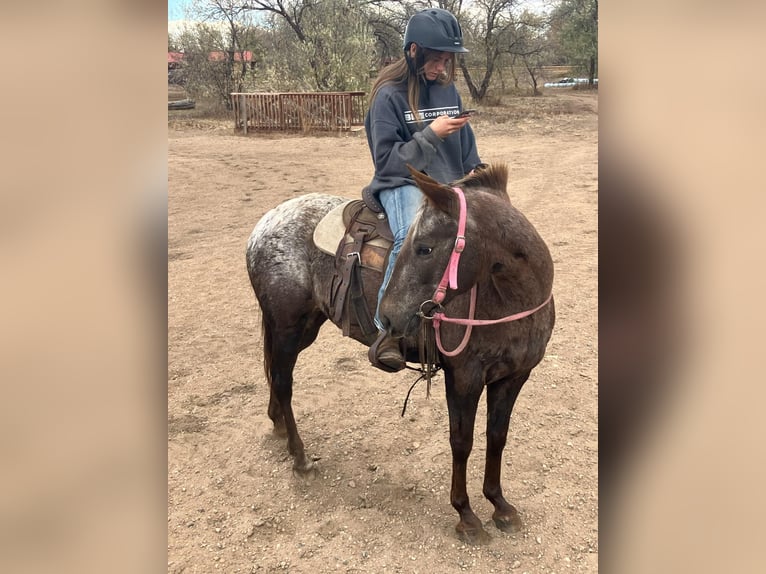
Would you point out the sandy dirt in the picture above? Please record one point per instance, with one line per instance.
(381, 500)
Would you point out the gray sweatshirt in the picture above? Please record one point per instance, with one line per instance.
(396, 138)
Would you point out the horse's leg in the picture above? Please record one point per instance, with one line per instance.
(284, 345)
(309, 335)
(275, 414)
(275, 410)
(462, 402)
(501, 396)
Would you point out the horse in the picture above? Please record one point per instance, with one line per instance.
(491, 312)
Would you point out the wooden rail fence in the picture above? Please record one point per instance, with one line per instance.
(320, 111)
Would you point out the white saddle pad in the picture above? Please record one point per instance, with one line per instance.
(330, 229)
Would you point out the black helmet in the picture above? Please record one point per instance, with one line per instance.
(435, 29)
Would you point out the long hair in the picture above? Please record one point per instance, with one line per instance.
(409, 72)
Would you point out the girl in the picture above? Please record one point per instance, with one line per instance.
(413, 119)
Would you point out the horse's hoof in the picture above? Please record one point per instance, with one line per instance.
(475, 536)
(510, 523)
(306, 471)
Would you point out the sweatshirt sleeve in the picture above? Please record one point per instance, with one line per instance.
(391, 152)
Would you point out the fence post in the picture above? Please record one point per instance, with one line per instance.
(243, 112)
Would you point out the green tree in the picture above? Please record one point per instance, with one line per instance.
(530, 46)
(239, 35)
(387, 21)
(214, 48)
(341, 47)
(332, 36)
(204, 78)
(574, 29)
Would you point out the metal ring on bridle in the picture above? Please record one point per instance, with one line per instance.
(436, 307)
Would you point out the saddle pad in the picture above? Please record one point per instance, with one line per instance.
(330, 229)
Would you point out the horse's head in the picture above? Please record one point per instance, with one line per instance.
(426, 251)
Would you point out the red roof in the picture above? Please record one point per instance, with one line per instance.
(247, 56)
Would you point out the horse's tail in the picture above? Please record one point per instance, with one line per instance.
(267, 347)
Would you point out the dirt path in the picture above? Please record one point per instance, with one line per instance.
(381, 502)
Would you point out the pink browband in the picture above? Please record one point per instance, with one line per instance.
(449, 280)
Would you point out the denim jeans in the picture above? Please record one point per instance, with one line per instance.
(401, 205)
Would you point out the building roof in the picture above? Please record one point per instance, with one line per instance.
(218, 56)
(245, 55)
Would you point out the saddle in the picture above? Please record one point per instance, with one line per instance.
(365, 240)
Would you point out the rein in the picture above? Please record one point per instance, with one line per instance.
(449, 280)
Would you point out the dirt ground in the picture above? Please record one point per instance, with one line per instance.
(381, 500)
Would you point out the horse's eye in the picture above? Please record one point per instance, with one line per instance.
(423, 250)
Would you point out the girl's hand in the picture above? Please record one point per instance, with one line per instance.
(445, 125)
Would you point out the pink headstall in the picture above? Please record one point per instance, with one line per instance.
(450, 273)
(449, 280)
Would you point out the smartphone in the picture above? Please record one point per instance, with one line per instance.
(467, 113)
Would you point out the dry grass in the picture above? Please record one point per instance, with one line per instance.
(176, 92)
(505, 112)
(546, 114)
(511, 109)
(207, 114)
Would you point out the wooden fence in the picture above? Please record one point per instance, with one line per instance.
(294, 111)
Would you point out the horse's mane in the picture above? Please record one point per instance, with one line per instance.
(492, 179)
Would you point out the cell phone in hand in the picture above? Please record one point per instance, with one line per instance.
(467, 113)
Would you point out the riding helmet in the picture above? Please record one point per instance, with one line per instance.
(435, 29)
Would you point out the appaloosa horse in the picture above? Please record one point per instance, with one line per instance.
(473, 267)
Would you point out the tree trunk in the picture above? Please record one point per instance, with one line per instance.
(469, 81)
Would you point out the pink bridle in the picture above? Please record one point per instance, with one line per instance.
(449, 281)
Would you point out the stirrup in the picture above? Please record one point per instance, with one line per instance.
(372, 355)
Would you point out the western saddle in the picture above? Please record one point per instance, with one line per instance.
(366, 242)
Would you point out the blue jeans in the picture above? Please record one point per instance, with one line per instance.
(401, 205)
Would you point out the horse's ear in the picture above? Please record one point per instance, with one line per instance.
(439, 195)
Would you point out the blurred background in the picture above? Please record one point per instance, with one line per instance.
(680, 276)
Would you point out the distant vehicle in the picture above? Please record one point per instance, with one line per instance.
(568, 82)
(186, 104)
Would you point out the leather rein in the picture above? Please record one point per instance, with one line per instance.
(449, 281)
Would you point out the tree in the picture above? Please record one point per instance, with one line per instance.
(239, 35)
(335, 45)
(483, 29)
(215, 47)
(530, 46)
(332, 35)
(496, 29)
(202, 76)
(574, 27)
(387, 21)
(340, 50)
